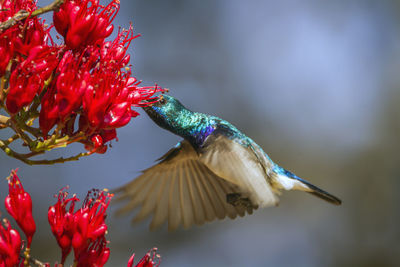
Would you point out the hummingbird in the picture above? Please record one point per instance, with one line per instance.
(214, 172)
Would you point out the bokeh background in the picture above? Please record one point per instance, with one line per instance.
(315, 83)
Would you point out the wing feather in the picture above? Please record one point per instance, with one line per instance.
(180, 190)
(205, 200)
(212, 193)
(161, 210)
(221, 194)
(197, 205)
(186, 201)
(174, 210)
(238, 164)
(150, 202)
(132, 187)
(136, 198)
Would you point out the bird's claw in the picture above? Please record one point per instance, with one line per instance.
(236, 199)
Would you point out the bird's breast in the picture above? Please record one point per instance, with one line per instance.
(199, 134)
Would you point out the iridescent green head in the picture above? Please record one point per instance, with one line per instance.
(166, 112)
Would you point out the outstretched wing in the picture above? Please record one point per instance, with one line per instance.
(181, 190)
(240, 164)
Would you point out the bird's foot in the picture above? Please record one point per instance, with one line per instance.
(236, 199)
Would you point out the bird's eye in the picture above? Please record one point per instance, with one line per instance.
(162, 100)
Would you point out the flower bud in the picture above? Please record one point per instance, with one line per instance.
(19, 205)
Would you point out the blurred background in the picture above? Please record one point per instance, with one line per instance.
(315, 83)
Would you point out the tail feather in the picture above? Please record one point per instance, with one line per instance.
(321, 193)
(289, 181)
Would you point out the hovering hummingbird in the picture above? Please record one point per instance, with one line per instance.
(214, 172)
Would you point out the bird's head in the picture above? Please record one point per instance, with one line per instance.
(165, 111)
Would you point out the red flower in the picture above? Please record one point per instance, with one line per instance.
(64, 94)
(143, 96)
(35, 34)
(23, 89)
(10, 245)
(148, 260)
(61, 220)
(29, 77)
(115, 51)
(71, 84)
(6, 52)
(42, 60)
(98, 141)
(85, 22)
(106, 104)
(19, 205)
(90, 221)
(48, 116)
(96, 255)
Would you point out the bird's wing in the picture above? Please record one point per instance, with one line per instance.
(180, 190)
(239, 164)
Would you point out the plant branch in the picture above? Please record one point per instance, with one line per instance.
(37, 262)
(15, 126)
(54, 142)
(11, 139)
(24, 157)
(4, 121)
(4, 83)
(57, 160)
(22, 125)
(31, 260)
(23, 14)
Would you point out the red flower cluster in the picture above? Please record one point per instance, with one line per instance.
(86, 79)
(83, 230)
(84, 23)
(26, 54)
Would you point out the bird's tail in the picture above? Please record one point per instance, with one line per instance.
(289, 181)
